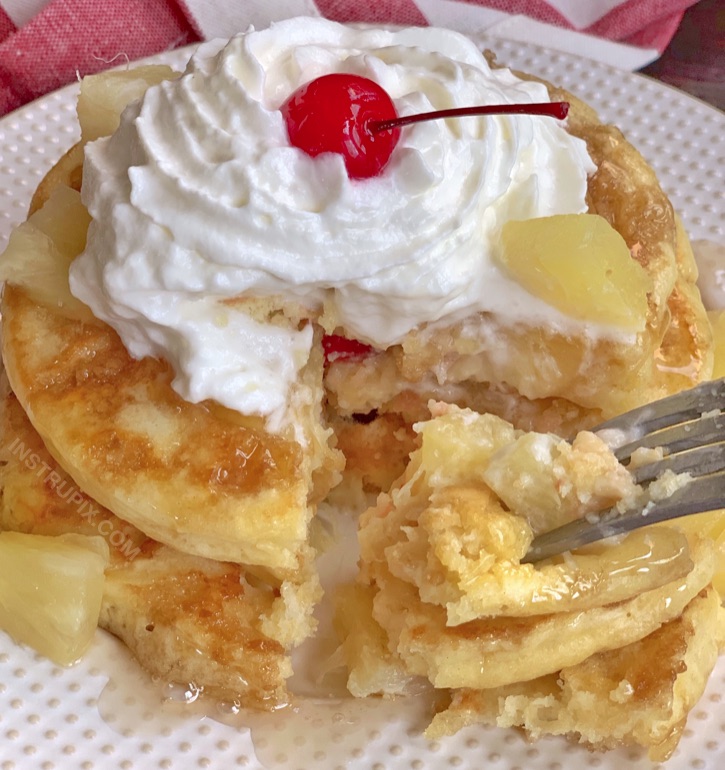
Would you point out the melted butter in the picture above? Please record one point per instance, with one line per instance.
(320, 730)
(328, 733)
(643, 550)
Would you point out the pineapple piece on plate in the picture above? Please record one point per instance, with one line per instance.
(51, 590)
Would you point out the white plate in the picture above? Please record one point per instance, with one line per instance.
(103, 713)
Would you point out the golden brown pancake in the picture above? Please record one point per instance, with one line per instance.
(491, 652)
(640, 694)
(186, 474)
(185, 618)
(259, 513)
(216, 510)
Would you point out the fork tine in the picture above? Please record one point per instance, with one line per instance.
(696, 462)
(689, 405)
(678, 438)
(706, 493)
(690, 429)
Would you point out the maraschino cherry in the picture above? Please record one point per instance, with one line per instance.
(354, 116)
(333, 113)
(338, 348)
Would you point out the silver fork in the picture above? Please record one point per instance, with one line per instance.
(690, 429)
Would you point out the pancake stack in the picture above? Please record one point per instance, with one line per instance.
(210, 514)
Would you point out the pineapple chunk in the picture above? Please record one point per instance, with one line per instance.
(373, 667)
(65, 221)
(103, 97)
(579, 264)
(550, 482)
(51, 590)
(452, 461)
(717, 320)
(40, 251)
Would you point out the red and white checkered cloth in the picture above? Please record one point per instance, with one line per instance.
(45, 44)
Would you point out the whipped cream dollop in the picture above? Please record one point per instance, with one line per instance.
(198, 197)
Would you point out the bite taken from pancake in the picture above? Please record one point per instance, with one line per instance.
(557, 647)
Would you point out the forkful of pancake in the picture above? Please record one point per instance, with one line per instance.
(452, 587)
(610, 644)
(682, 434)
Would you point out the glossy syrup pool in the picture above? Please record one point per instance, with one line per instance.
(323, 727)
(325, 733)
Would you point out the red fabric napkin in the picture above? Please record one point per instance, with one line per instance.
(70, 38)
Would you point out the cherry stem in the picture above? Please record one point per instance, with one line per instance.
(558, 110)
